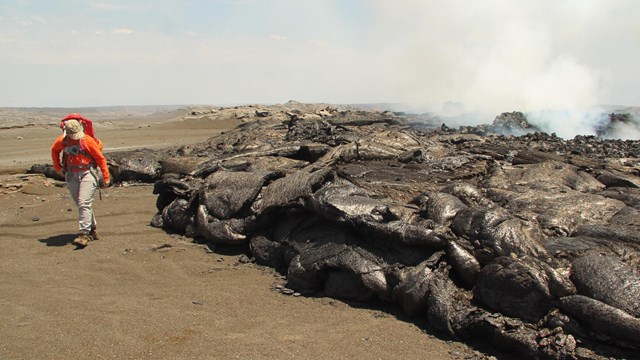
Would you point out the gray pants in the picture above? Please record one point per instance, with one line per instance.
(82, 185)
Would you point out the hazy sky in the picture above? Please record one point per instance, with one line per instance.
(493, 55)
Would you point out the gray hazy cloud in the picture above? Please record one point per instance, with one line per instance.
(483, 56)
(501, 55)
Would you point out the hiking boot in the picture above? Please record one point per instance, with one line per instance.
(94, 234)
(82, 240)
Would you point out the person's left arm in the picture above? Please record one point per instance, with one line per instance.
(98, 157)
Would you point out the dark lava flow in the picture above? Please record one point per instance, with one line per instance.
(529, 243)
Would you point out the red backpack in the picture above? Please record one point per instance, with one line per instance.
(87, 126)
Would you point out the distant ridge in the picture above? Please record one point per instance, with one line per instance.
(17, 116)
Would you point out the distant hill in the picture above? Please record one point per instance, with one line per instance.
(17, 116)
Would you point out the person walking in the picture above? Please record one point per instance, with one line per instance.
(75, 156)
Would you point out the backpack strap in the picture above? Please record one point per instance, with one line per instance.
(63, 163)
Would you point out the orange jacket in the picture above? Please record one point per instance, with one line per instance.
(75, 162)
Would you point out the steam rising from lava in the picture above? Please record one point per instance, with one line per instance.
(498, 56)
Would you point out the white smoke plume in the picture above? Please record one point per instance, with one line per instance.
(625, 131)
(539, 57)
(567, 123)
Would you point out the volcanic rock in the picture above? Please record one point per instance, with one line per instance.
(497, 232)
(526, 241)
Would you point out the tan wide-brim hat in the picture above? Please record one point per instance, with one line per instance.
(74, 129)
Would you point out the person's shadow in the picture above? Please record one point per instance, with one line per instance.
(58, 240)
